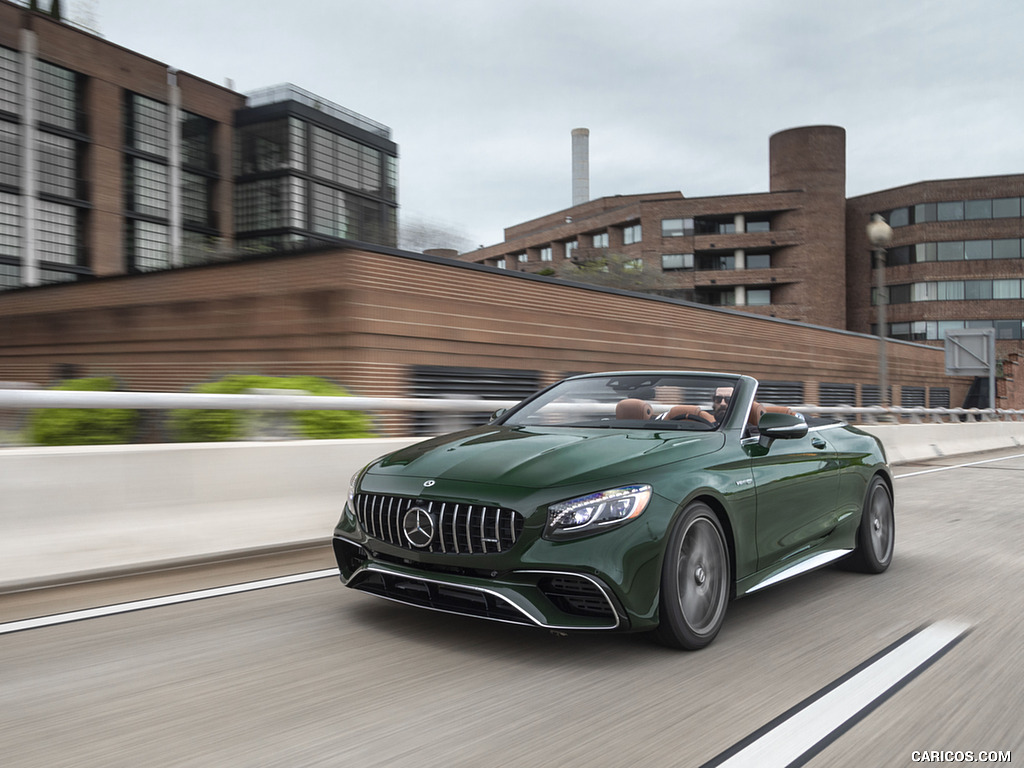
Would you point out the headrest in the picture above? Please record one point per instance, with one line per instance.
(633, 408)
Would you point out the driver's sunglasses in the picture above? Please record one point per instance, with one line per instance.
(721, 399)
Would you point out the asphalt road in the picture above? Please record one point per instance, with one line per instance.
(312, 674)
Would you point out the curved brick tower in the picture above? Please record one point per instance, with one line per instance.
(812, 161)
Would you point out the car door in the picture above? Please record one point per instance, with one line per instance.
(797, 486)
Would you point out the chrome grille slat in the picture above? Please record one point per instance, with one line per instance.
(462, 529)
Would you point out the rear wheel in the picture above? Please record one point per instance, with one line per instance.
(876, 535)
(694, 581)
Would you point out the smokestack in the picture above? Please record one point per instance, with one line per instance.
(580, 165)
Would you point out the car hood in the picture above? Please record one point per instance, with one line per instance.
(538, 457)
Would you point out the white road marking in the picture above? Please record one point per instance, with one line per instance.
(807, 728)
(154, 602)
(959, 466)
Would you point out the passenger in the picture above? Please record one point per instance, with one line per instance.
(720, 404)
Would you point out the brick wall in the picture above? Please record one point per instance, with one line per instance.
(362, 317)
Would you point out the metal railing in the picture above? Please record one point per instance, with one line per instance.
(39, 398)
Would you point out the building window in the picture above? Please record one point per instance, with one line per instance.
(978, 209)
(978, 249)
(10, 154)
(58, 163)
(261, 204)
(329, 214)
(951, 251)
(977, 290)
(601, 240)
(10, 80)
(268, 147)
(758, 261)
(758, 225)
(500, 263)
(899, 217)
(147, 187)
(714, 263)
(58, 228)
(57, 96)
(522, 258)
(195, 199)
(197, 141)
(632, 234)
(676, 261)
(1006, 208)
(341, 160)
(723, 297)
(147, 129)
(546, 253)
(951, 211)
(1006, 249)
(10, 225)
(759, 297)
(676, 227)
(148, 246)
(1006, 289)
(570, 248)
(634, 265)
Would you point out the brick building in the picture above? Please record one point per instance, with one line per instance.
(111, 162)
(800, 251)
(390, 323)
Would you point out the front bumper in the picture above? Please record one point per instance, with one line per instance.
(548, 598)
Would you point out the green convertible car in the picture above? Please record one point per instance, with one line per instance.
(637, 501)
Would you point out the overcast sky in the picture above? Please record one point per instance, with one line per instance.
(482, 95)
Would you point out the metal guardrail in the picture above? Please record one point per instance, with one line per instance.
(39, 398)
(33, 398)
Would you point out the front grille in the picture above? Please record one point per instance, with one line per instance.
(461, 529)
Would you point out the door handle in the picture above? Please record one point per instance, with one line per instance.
(817, 442)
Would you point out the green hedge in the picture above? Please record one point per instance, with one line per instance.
(84, 426)
(220, 425)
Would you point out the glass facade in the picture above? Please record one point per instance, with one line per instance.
(302, 182)
(955, 250)
(955, 210)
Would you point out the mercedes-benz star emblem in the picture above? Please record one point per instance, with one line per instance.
(418, 527)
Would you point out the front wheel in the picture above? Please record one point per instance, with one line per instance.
(877, 532)
(695, 580)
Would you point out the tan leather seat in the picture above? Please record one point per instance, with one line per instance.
(633, 409)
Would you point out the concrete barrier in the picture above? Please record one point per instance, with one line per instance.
(919, 442)
(83, 512)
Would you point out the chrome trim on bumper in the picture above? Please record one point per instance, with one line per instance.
(530, 616)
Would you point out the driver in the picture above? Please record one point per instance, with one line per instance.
(720, 403)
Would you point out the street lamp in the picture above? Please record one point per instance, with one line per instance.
(880, 236)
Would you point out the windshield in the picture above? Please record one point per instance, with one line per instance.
(632, 401)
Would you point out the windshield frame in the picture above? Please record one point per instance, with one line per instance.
(596, 398)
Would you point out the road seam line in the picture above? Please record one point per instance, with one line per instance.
(156, 602)
(803, 731)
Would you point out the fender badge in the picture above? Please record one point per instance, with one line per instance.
(429, 483)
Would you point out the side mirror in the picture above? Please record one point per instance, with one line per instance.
(780, 426)
(498, 414)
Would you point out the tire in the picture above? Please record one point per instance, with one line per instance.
(695, 580)
(876, 534)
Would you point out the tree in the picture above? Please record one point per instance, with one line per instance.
(420, 235)
(609, 269)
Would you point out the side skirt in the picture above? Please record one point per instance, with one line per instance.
(796, 569)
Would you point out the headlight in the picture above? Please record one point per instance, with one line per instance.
(597, 511)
